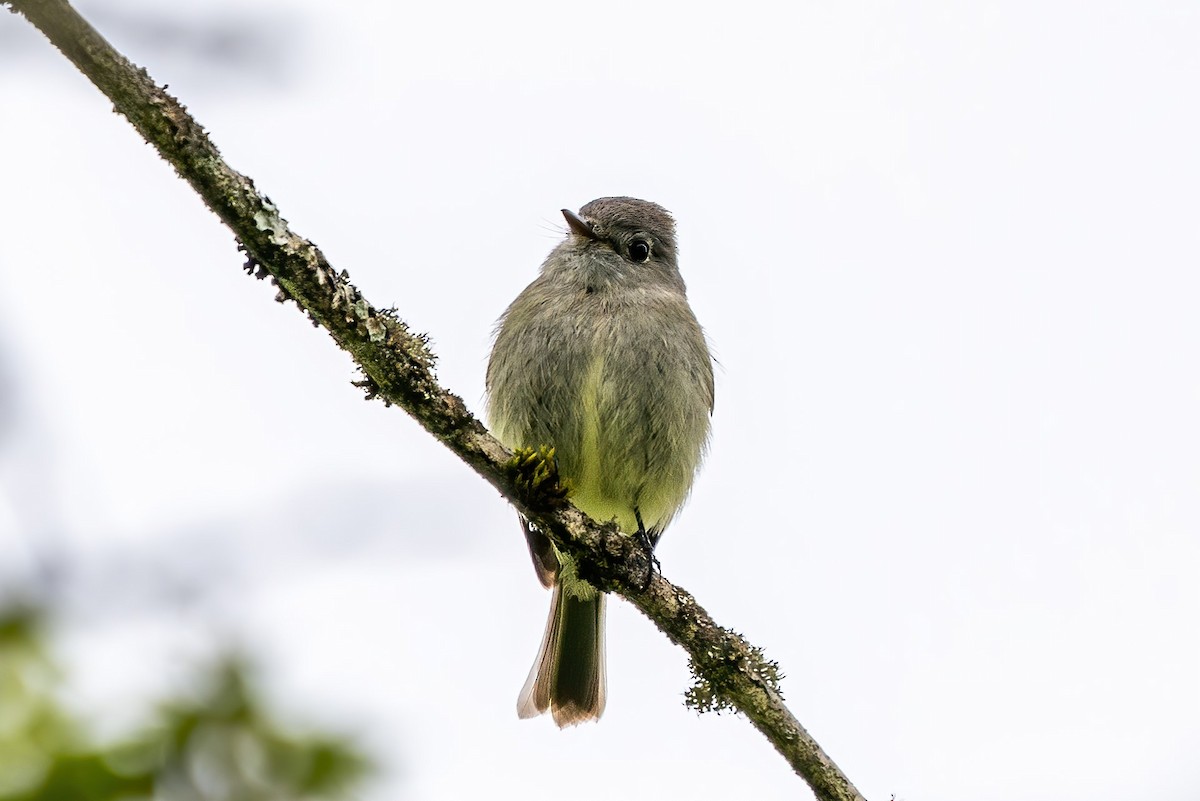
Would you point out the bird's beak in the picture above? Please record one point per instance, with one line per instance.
(578, 225)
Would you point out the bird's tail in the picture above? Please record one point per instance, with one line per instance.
(568, 675)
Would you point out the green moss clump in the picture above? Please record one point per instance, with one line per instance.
(534, 473)
(712, 691)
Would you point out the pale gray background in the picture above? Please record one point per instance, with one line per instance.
(945, 252)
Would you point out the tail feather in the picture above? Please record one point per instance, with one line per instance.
(567, 677)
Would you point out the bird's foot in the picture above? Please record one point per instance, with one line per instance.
(646, 542)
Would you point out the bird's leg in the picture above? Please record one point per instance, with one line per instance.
(646, 542)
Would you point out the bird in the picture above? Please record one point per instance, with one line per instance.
(601, 358)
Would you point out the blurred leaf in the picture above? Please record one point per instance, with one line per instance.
(217, 744)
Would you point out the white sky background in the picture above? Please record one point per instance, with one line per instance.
(946, 254)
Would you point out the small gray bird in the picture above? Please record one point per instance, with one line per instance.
(602, 358)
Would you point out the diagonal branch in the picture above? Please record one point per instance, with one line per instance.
(398, 369)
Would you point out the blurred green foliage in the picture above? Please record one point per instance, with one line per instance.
(216, 746)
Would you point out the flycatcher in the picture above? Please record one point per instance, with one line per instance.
(602, 358)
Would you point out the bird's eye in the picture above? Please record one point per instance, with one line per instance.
(639, 251)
